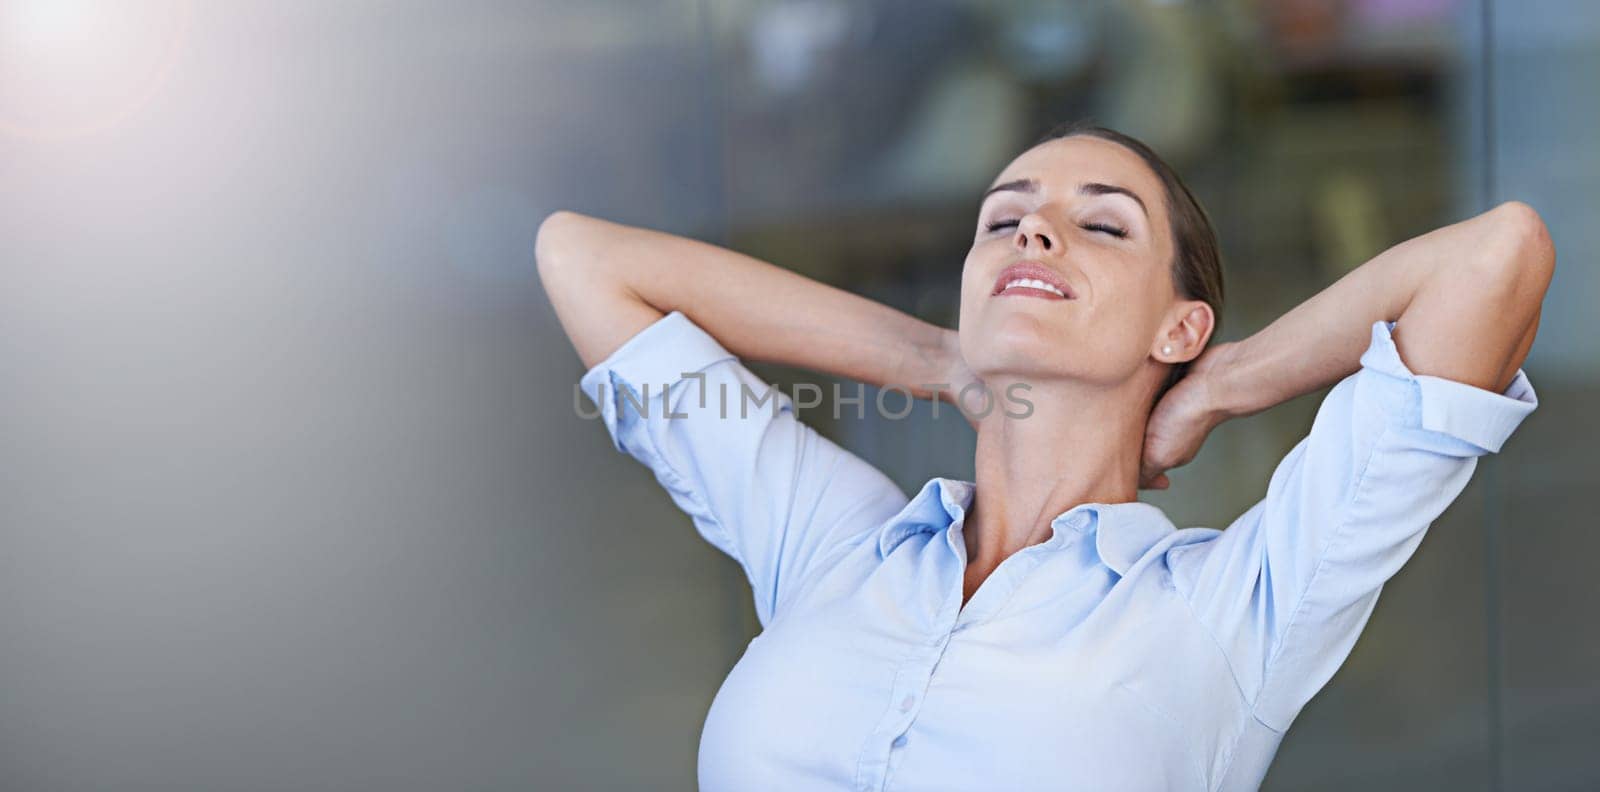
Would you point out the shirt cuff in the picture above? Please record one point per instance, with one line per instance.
(1474, 415)
(656, 357)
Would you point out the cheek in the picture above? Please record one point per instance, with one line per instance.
(1131, 288)
(1127, 311)
(1133, 317)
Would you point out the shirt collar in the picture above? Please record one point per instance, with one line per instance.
(940, 502)
(1123, 532)
(1127, 532)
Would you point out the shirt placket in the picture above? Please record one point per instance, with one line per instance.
(906, 697)
(914, 676)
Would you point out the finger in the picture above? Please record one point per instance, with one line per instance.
(1162, 482)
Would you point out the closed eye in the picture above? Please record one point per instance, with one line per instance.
(1101, 227)
(1112, 230)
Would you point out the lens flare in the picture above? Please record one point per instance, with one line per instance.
(74, 68)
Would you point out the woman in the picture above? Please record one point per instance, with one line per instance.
(1040, 628)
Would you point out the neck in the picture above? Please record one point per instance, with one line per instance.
(1081, 444)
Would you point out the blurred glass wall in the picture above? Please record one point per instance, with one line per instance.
(293, 491)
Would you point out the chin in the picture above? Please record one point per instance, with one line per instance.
(1019, 360)
(1020, 369)
(1027, 344)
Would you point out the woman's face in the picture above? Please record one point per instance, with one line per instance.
(1091, 217)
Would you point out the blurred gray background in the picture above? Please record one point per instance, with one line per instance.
(292, 490)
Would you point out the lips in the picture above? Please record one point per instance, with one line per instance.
(1028, 270)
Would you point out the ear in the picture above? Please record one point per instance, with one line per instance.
(1185, 331)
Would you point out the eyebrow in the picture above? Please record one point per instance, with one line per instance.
(1087, 188)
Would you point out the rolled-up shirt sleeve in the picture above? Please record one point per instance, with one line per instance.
(1290, 584)
(758, 484)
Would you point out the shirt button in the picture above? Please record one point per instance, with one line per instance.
(905, 703)
(899, 742)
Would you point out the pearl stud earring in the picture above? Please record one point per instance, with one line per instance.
(1166, 350)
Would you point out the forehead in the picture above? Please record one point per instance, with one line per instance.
(1061, 165)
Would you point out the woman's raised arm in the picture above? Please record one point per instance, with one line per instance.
(1465, 300)
(648, 310)
(608, 281)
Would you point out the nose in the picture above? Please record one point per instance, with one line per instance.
(1034, 232)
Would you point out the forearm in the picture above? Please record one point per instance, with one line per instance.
(1465, 296)
(607, 281)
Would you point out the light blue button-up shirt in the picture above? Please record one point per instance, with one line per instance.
(1122, 653)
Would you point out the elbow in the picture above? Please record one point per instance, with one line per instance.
(1511, 261)
(1528, 254)
(560, 234)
